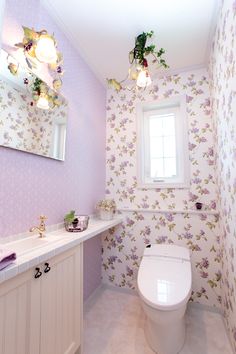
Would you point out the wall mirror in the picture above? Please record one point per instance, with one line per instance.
(25, 125)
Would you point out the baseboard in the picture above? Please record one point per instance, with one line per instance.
(204, 307)
(119, 289)
(93, 297)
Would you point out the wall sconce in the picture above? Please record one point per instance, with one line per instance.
(40, 47)
(45, 50)
(42, 95)
(138, 70)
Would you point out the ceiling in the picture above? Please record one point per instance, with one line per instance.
(104, 31)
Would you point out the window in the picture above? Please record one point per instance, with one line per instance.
(163, 160)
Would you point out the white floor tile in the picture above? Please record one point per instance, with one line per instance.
(114, 324)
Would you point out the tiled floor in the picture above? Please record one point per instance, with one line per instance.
(114, 321)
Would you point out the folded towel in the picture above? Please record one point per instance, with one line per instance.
(6, 258)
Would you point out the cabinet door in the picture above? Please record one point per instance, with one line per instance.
(60, 304)
(20, 315)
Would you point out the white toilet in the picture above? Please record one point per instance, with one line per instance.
(164, 286)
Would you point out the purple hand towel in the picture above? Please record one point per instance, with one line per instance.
(6, 258)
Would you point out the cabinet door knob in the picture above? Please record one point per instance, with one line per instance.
(47, 268)
(38, 273)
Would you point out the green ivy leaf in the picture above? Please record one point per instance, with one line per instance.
(28, 33)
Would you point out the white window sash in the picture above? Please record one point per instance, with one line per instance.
(166, 107)
(146, 123)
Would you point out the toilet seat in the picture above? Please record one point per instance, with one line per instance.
(164, 277)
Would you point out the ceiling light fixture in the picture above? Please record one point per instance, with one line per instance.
(138, 70)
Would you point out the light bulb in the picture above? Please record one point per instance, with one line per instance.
(45, 50)
(42, 102)
(143, 79)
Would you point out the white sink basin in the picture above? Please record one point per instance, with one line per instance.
(30, 244)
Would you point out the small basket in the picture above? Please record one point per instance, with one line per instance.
(79, 224)
(106, 214)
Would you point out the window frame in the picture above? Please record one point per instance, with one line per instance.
(145, 110)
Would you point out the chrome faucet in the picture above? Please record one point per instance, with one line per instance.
(41, 228)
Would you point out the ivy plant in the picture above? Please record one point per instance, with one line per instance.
(138, 55)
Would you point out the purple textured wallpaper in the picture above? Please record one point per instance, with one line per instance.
(31, 185)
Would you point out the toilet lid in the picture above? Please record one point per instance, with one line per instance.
(164, 281)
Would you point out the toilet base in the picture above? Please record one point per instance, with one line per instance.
(161, 345)
(167, 334)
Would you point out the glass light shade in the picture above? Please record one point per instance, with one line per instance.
(134, 71)
(45, 50)
(143, 79)
(42, 103)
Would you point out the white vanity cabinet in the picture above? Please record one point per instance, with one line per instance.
(44, 315)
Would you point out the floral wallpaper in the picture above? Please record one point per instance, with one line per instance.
(24, 127)
(223, 73)
(123, 247)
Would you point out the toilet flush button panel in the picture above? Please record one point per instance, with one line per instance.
(168, 251)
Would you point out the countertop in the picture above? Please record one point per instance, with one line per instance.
(67, 240)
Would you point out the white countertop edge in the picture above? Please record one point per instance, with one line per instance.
(69, 240)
